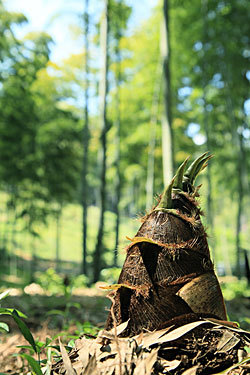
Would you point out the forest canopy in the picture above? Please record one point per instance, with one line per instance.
(82, 141)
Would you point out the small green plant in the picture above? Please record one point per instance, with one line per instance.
(62, 285)
(35, 348)
(54, 283)
(17, 315)
(51, 282)
(86, 328)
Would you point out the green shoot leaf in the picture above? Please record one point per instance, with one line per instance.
(24, 330)
(33, 364)
(8, 311)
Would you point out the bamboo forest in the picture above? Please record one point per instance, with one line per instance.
(124, 187)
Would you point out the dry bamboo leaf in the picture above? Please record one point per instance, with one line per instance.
(101, 356)
(88, 345)
(179, 332)
(241, 355)
(91, 368)
(66, 360)
(227, 342)
(78, 368)
(191, 371)
(151, 338)
(224, 323)
(170, 365)
(83, 355)
(228, 325)
(114, 332)
(150, 360)
(146, 362)
(139, 338)
(107, 367)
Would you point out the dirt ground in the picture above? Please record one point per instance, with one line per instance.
(87, 305)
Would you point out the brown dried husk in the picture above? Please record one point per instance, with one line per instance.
(167, 259)
(199, 348)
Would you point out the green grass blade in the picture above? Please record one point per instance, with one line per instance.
(24, 330)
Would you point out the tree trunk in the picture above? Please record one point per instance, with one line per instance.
(225, 253)
(167, 133)
(6, 225)
(205, 79)
(240, 203)
(33, 261)
(85, 143)
(58, 238)
(117, 154)
(152, 138)
(104, 127)
(13, 263)
(237, 133)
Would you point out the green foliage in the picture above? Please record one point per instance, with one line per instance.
(24, 331)
(235, 289)
(33, 364)
(86, 328)
(48, 347)
(42, 119)
(110, 275)
(53, 283)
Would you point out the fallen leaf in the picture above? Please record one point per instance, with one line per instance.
(150, 338)
(170, 365)
(145, 363)
(227, 342)
(114, 331)
(229, 325)
(66, 360)
(91, 368)
(179, 332)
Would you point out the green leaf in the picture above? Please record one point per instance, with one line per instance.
(8, 311)
(33, 364)
(71, 343)
(5, 311)
(4, 326)
(40, 344)
(56, 312)
(57, 347)
(48, 341)
(29, 347)
(247, 349)
(4, 294)
(24, 330)
(74, 304)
